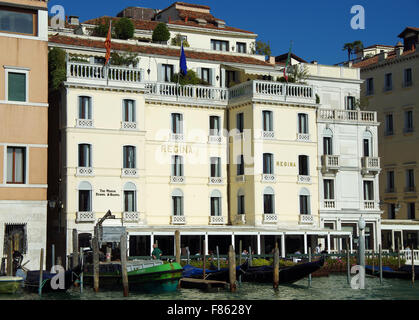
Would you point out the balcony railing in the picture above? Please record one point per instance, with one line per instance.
(125, 125)
(215, 180)
(178, 220)
(215, 139)
(304, 179)
(270, 218)
(369, 204)
(347, 115)
(85, 216)
(85, 172)
(370, 164)
(129, 172)
(269, 90)
(303, 137)
(131, 216)
(177, 137)
(268, 135)
(177, 179)
(306, 219)
(329, 204)
(84, 123)
(216, 220)
(241, 178)
(269, 178)
(187, 93)
(97, 74)
(330, 162)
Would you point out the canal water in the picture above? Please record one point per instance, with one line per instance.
(334, 287)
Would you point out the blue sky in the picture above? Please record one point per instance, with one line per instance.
(318, 29)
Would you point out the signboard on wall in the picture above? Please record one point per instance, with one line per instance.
(111, 234)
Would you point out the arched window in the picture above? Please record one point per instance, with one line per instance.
(268, 201)
(85, 197)
(215, 203)
(367, 144)
(240, 202)
(177, 202)
(130, 197)
(305, 201)
(327, 142)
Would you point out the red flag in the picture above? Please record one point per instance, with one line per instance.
(108, 44)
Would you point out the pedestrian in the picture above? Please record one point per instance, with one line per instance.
(318, 249)
(156, 252)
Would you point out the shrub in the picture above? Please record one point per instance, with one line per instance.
(124, 29)
(261, 48)
(190, 78)
(124, 59)
(317, 99)
(57, 72)
(161, 33)
(176, 41)
(101, 30)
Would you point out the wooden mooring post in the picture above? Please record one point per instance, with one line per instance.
(124, 258)
(52, 255)
(250, 257)
(82, 270)
(41, 271)
(232, 268)
(95, 264)
(380, 261)
(188, 255)
(413, 264)
(218, 257)
(309, 260)
(373, 262)
(9, 266)
(75, 261)
(59, 261)
(177, 239)
(348, 262)
(398, 258)
(276, 267)
(240, 252)
(204, 261)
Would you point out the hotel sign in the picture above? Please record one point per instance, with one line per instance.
(107, 193)
(286, 164)
(177, 149)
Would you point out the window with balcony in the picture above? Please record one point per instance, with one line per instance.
(388, 82)
(350, 103)
(85, 197)
(219, 45)
(206, 75)
(85, 108)
(20, 21)
(303, 123)
(390, 181)
(408, 121)
(269, 201)
(410, 180)
(368, 190)
(16, 165)
(241, 47)
(327, 146)
(407, 77)
(240, 202)
(367, 144)
(17, 86)
(215, 167)
(177, 203)
(411, 213)
(130, 197)
(215, 126)
(129, 157)
(268, 163)
(166, 72)
(303, 165)
(240, 122)
(370, 86)
(85, 156)
(231, 78)
(391, 211)
(329, 191)
(240, 165)
(305, 202)
(389, 124)
(267, 121)
(177, 123)
(215, 203)
(129, 111)
(177, 166)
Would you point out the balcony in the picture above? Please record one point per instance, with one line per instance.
(215, 139)
(178, 220)
(216, 220)
(304, 179)
(131, 216)
(353, 116)
(125, 125)
(177, 137)
(267, 135)
(270, 218)
(329, 204)
(330, 163)
(95, 74)
(268, 178)
(85, 172)
(273, 91)
(177, 179)
(172, 92)
(370, 165)
(306, 219)
(369, 205)
(84, 216)
(303, 137)
(84, 123)
(129, 172)
(215, 180)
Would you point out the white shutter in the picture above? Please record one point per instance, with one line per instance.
(160, 72)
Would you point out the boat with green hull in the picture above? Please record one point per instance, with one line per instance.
(9, 285)
(143, 275)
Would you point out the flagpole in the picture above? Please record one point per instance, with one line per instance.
(178, 74)
(285, 70)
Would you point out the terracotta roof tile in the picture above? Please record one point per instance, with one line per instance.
(208, 26)
(224, 58)
(374, 60)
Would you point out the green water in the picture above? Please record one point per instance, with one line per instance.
(334, 287)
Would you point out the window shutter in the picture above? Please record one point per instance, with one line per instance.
(17, 87)
(212, 76)
(160, 72)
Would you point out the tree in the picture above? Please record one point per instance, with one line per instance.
(57, 72)
(177, 40)
(124, 29)
(299, 73)
(161, 33)
(358, 46)
(101, 30)
(124, 59)
(353, 47)
(261, 48)
(348, 47)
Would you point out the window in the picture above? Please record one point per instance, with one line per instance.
(17, 234)
(219, 45)
(85, 197)
(408, 121)
(18, 21)
(407, 79)
(129, 110)
(167, 72)
(215, 167)
(130, 197)
(392, 211)
(411, 211)
(389, 125)
(177, 123)
(177, 166)
(16, 86)
(85, 108)
(302, 123)
(215, 203)
(129, 157)
(240, 165)
(205, 75)
(268, 166)
(329, 192)
(241, 47)
(368, 190)
(327, 146)
(16, 165)
(215, 129)
(305, 202)
(350, 103)
(240, 202)
(390, 181)
(177, 202)
(410, 180)
(85, 156)
(240, 122)
(366, 144)
(268, 201)
(230, 78)
(267, 121)
(303, 166)
(388, 81)
(370, 86)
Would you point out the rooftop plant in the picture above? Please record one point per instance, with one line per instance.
(124, 29)
(161, 32)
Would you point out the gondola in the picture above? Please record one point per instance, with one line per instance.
(210, 274)
(404, 272)
(31, 282)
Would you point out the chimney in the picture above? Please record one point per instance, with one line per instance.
(74, 20)
(314, 62)
(272, 60)
(170, 19)
(399, 49)
(382, 56)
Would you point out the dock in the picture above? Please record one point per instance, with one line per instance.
(190, 283)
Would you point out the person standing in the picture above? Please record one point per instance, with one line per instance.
(156, 252)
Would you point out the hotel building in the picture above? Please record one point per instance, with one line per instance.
(23, 127)
(237, 159)
(391, 79)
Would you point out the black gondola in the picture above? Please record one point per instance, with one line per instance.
(404, 272)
